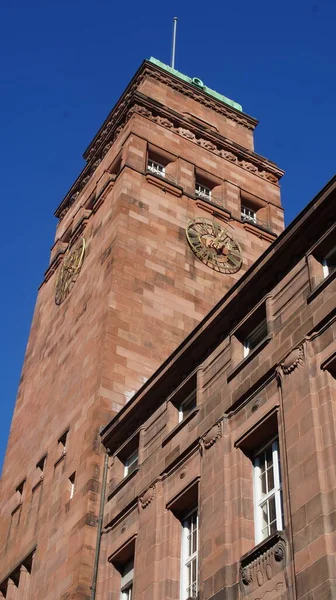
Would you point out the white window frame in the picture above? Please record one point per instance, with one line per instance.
(154, 167)
(247, 342)
(248, 214)
(130, 461)
(126, 585)
(189, 524)
(261, 499)
(185, 403)
(202, 191)
(326, 268)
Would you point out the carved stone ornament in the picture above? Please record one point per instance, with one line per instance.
(113, 127)
(214, 245)
(211, 437)
(262, 571)
(293, 360)
(147, 497)
(69, 270)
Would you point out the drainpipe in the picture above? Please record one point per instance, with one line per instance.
(99, 527)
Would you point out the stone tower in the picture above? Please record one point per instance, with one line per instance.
(125, 285)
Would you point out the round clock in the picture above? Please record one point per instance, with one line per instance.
(69, 270)
(214, 245)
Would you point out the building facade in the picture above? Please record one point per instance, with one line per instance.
(171, 209)
(222, 473)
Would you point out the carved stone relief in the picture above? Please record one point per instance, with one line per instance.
(292, 361)
(147, 497)
(262, 571)
(211, 437)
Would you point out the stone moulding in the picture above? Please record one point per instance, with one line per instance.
(122, 113)
(262, 571)
(147, 497)
(292, 361)
(211, 437)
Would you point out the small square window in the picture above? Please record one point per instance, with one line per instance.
(156, 168)
(247, 214)
(187, 406)
(329, 262)
(131, 463)
(202, 191)
(254, 337)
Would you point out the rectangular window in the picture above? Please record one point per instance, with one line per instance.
(131, 463)
(127, 580)
(155, 167)
(187, 406)
(255, 337)
(268, 508)
(247, 214)
(329, 263)
(189, 556)
(202, 191)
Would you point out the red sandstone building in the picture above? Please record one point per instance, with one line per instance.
(178, 315)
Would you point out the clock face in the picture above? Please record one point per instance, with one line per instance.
(214, 245)
(69, 270)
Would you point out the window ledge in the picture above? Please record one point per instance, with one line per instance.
(179, 426)
(249, 357)
(321, 286)
(164, 183)
(121, 483)
(272, 542)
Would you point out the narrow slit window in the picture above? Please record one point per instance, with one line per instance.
(72, 480)
(40, 465)
(62, 441)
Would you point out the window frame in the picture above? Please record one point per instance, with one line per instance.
(131, 463)
(260, 499)
(191, 398)
(327, 269)
(187, 558)
(245, 216)
(202, 191)
(127, 578)
(258, 329)
(153, 166)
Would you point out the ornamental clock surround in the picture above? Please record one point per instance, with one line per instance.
(69, 271)
(214, 245)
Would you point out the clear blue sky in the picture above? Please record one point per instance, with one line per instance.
(63, 66)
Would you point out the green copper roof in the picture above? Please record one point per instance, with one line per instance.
(197, 83)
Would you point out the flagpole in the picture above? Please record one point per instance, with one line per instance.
(174, 43)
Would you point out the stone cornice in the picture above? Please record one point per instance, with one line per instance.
(149, 69)
(137, 103)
